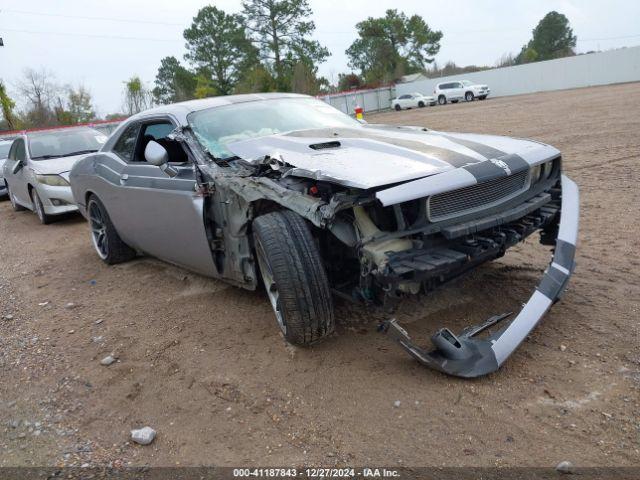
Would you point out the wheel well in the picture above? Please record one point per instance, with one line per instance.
(468, 91)
(86, 197)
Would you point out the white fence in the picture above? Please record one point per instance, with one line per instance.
(604, 68)
(370, 100)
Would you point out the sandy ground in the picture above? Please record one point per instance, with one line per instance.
(204, 364)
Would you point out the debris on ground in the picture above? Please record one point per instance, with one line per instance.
(143, 436)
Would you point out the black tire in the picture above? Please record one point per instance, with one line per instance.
(38, 208)
(295, 279)
(468, 96)
(16, 207)
(398, 107)
(442, 100)
(421, 104)
(108, 244)
(482, 97)
(454, 101)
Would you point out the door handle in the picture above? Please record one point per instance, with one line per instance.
(123, 178)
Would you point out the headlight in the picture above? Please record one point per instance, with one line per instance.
(52, 180)
(548, 168)
(536, 172)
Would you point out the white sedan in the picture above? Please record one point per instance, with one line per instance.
(412, 100)
(36, 172)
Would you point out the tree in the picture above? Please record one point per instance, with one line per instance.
(552, 38)
(393, 45)
(40, 91)
(136, 96)
(204, 85)
(79, 105)
(281, 29)
(349, 81)
(7, 105)
(256, 80)
(174, 83)
(217, 42)
(303, 80)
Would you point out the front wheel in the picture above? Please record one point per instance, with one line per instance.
(442, 100)
(398, 108)
(468, 96)
(38, 208)
(294, 277)
(421, 104)
(106, 241)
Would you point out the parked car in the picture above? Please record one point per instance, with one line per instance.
(36, 172)
(5, 145)
(285, 189)
(455, 91)
(412, 100)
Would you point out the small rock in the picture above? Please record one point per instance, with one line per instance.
(563, 348)
(43, 304)
(8, 317)
(37, 433)
(97, 339)
(396, 404)
(565, 467)
(70, 305)
(108, 360)
(92, 282)
(71, 332)
(143, 436)
(99, 321)
(14, 423)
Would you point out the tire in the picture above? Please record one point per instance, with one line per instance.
(442, 100)
(482, 97)
(454, 101)
(15, 205)
(398, 108)
(294, 277)
(104, 237)
(38, 208)
(421, 104)
(468, 96)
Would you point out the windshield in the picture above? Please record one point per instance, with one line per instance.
(4, 150)
(467, 83)
(217, 127)
(65, 143)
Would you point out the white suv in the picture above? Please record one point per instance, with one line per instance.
(454, 91)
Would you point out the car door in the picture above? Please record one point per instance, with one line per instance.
(18, 181)
(457, 91)
(163, 215)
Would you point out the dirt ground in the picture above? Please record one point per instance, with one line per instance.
(203, 362)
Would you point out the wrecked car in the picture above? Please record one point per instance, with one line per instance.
(285, 191)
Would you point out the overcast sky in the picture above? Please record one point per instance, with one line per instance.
(100, 43)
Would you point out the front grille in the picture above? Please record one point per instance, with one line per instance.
(466, 200)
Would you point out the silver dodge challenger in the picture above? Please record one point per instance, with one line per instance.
(285, 191)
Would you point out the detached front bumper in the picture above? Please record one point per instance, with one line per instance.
(465, 355)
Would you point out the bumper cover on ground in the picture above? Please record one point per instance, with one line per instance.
(466, 356)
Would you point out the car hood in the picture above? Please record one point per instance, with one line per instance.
(378, 155)
(55, 166)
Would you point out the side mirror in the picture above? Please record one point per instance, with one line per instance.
(156, 154)
(17, 167)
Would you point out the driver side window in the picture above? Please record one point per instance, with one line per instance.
(158, 131)
(18, 152)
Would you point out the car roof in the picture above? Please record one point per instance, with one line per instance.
(182, 109)
(49, 131)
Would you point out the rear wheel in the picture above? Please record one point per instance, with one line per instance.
(421, 104)
(398, 107)
(442, 100)
(110, 248)
(38, 208)
(482, 97)
(14, 203)
(468, 96)
(294, 277)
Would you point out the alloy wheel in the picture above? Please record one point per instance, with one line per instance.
(270, 286)
(98, 230)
